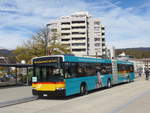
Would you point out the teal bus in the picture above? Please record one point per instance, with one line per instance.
(64, 75)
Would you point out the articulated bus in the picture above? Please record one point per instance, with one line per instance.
(64, 75)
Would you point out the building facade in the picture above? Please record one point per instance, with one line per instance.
(84, 34)
(110, 52)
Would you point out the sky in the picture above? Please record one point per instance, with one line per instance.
(127, 22)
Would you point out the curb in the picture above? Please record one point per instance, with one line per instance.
(17, 101)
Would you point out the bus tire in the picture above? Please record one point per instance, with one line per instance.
(83, 89)
(109, 85)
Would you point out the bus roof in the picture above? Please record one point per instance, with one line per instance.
(70, 58)
(85, 59)
(124, 62)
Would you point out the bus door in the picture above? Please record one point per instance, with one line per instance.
(114, 72)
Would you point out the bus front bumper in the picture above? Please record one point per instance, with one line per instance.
(49, 93)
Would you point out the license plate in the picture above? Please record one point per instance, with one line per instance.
(45, 95)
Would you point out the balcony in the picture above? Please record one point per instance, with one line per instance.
(103, 31)
(78, 30)
(79, 35)
(65, 37)
(65, 42)
(65, 31)
(79, 53)
(103, 47)
(78, 24)
(78, 47)
(65, 26)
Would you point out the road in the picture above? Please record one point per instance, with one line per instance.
(126, 98)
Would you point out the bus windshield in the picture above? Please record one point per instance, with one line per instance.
(48, 73)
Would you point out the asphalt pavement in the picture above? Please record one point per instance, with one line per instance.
(125, 98)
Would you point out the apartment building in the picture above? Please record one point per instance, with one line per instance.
(84, 34)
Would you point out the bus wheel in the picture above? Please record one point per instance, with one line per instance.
(83, 89)
(109, 84)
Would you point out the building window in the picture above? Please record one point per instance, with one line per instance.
(97, 44)
(78, 50)
(65, 39)
(103, 39)
(78, 38)
(78, 27)
(78, 44)
(78, 33)
(103, 44)
(65, 28)
(65, 23)
(77, 22)
(102, 28)
(65, 34)
(103, 50)
(97, 39)
(103, 34)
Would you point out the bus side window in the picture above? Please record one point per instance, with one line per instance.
(131, 68)
(98, 67)
(67, 71)
(81, 69)
(103, 69)
(70, 70)
(120, 68)
(90, 69)
(108, 68)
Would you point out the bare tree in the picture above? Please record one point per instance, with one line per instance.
(42, 43)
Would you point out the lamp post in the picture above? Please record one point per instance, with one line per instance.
(27, 80)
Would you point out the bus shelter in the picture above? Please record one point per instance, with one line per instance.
(26, 66)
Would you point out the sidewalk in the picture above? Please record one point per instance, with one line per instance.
(139, 105)
(14, 93)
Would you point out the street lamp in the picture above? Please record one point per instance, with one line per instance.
(23, 62)
(27, 80)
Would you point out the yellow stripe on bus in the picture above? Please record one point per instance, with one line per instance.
(47, 87)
